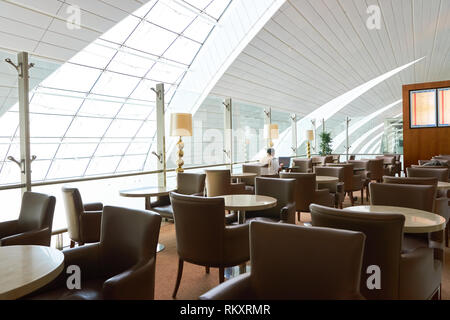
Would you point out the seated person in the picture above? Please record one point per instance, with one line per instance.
(272, 162)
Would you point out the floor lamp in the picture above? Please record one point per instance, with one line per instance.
(180, 126)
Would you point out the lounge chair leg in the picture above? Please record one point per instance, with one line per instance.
(72, 243)
(207, 269)
(352, 200)
(180, 273)
(221, 274)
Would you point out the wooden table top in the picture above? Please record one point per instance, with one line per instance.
(24, 269)
(147, 192)
(443, 185)
(248, 202)
(416, 221)
(326, 179)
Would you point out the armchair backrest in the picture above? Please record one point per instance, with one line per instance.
(251, 168)
(281, 189)
(376, 168)
(190, 183)
(200, 227)
(73, 207)
(304, 165)
(419, 197)
(384, 233)
(440, 173)
(36, 212)
(348, 174)
(128, 238)
(329, 171)
(282, 271)
(411, 180)
(305, 188)
(218, 182)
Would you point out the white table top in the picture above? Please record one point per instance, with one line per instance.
(24, 269)
(147, 192)
(443, 185)
(243, 175)
(248, 202)
(326, 179)
(416, 221)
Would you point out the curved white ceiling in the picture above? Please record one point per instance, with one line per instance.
(312, 51)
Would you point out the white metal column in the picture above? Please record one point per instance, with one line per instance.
(294, 134)
(160, 134)
(267, 123)
(347, 140)
(228, 133)
(22, 69)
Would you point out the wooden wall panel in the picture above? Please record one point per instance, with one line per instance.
(423, 143)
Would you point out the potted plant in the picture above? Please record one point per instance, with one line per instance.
(325, 144)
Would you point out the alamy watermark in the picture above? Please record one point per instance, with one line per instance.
(73, 21)
(374, 20)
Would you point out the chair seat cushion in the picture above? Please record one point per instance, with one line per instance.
(164, 211)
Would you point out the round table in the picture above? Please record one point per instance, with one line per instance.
(248, 202)
(416, 221)
(239, 176)
(443, 185)
(24, 269)
(326, 179)
(147, 193)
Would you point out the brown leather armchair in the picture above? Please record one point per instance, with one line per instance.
(308, 268)
(440, 203)
(34, 226)
(283, 191)
(414, 274)
(203, 238)
(419, 197)
(336, 189)
(251, 168)
(352, 182)
(187, 183)
(389, 165)
(120, 267)
(306, 191)
(303, 165)
(83, 220)
(218, 183)
(376, 169)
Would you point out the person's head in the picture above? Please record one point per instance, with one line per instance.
(271, 152)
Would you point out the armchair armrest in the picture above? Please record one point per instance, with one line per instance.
(39, 237)
(238, 288)
(90, 223)
(93, 206)
(8, 228)
(420, 274)
(236, 239)
(85, 257)
(324, 197)
(199, 194)
(441, 207)
(287, 214)
(136, 283)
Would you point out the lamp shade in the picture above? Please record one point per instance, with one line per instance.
(271, 131)
(310, 135)
(181, 124)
